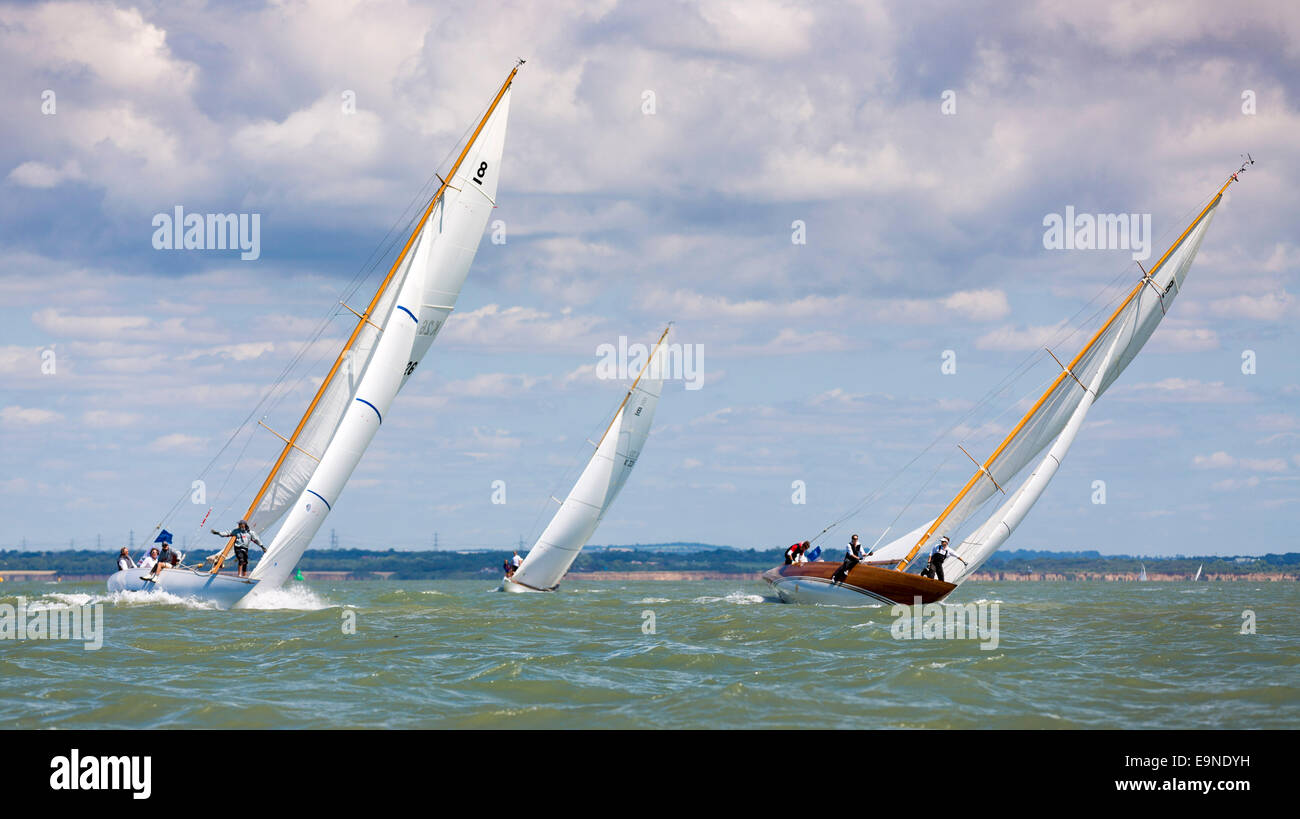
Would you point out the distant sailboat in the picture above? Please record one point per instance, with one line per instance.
(378, 358)
(593, 493)
(1143, 574)
(1053, 421)
(1198, 572)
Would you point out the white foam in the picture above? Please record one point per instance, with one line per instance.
(59, 600)
(651, 600)
(734, 597)
(295, 598)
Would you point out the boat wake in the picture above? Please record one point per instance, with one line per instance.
(57, 600)
(740, 598)
(292, 598)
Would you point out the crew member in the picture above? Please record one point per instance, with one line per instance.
(243, 535)
(938, 555)
(853, 555)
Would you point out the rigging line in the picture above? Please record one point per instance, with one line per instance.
(360, 277)
(1001, 386)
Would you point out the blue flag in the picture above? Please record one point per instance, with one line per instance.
(814, 554)
(163, 537)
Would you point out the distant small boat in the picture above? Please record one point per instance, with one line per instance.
(1198, 572)
(606, 472)
(1143, 575)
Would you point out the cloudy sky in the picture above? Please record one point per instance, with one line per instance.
(660, 162)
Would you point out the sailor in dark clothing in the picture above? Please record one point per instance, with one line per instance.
(940, 553)
(795, 552)
(853, 555)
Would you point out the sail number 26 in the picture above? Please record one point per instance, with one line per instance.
(482, 172)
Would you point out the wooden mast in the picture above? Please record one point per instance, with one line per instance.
(364, 317)
(635, 381)
(985, 467)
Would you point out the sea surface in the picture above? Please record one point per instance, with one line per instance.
(703, 654)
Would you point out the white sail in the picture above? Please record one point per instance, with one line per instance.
(610, 465)
(1128, 332)
(1198, 572)
(423, 295)
(1143, 574)
(974, 550)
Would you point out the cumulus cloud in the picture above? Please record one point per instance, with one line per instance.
(15, 416)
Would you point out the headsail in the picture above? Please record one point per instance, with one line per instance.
(610, 465)
(390, 338)
(986, 540)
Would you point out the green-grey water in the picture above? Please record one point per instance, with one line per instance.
(454, 654)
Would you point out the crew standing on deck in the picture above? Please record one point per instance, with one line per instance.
(853, 555)
(243, 535)
(940, 553)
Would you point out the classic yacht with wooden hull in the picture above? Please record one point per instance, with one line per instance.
(811, 583)
(392, 334)
(1052, 424)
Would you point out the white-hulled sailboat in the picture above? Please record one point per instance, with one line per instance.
(1054, 420)
(593, 493)
(391, 336)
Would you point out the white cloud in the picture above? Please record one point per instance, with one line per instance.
(1273, 306)
(1013, 339)
(33, 174)
(1183, 390)
(1218, 460)
(177, 442)
(492, 385)
(1232, 484)
(16, 416)
(107, 418)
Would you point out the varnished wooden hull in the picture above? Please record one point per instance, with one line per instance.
(811, 583)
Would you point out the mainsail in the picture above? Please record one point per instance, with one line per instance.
(391, 337)
(1087, 375)
(610, 465)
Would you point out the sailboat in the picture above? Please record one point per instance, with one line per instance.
(607, 470)
(1142, 576)
(1198, 572)
(1052, 422)
(391, 337)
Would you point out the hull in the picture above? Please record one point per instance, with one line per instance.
(811, 583)
(516, 587)
(222, 589)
